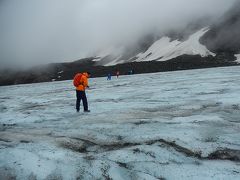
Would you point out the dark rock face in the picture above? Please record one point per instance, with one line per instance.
(66, 71)
(224, 36)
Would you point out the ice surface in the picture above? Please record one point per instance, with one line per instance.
(148, 126)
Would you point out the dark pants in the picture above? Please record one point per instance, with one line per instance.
(81, 95)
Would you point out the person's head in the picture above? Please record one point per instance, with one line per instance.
(89, 74)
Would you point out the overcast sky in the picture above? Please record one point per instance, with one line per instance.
(41, 31)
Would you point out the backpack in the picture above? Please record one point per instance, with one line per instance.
(77, 79)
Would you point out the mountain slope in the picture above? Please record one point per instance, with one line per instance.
(161, 50)
(165, 49)
(224, 36)
(221, 39)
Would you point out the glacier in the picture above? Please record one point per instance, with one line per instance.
(167, 125)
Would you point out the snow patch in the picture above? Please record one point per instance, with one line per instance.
(165, 49)
(238, 58)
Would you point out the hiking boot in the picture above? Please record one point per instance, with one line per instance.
(77, 110)
(86, 110)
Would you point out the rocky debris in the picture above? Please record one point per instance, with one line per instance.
(225, 154)
(83, 146)
(76, 145)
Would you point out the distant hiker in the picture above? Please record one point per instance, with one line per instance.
(81, 83)
(131, 72)
(117, 74)
(109, 77)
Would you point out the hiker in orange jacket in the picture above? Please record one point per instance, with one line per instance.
(80, 92)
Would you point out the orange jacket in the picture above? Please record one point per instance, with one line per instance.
(83, 82)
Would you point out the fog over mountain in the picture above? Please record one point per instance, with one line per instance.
(224, 35)
(37, 32)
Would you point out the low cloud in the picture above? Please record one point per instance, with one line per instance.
(43, 31)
